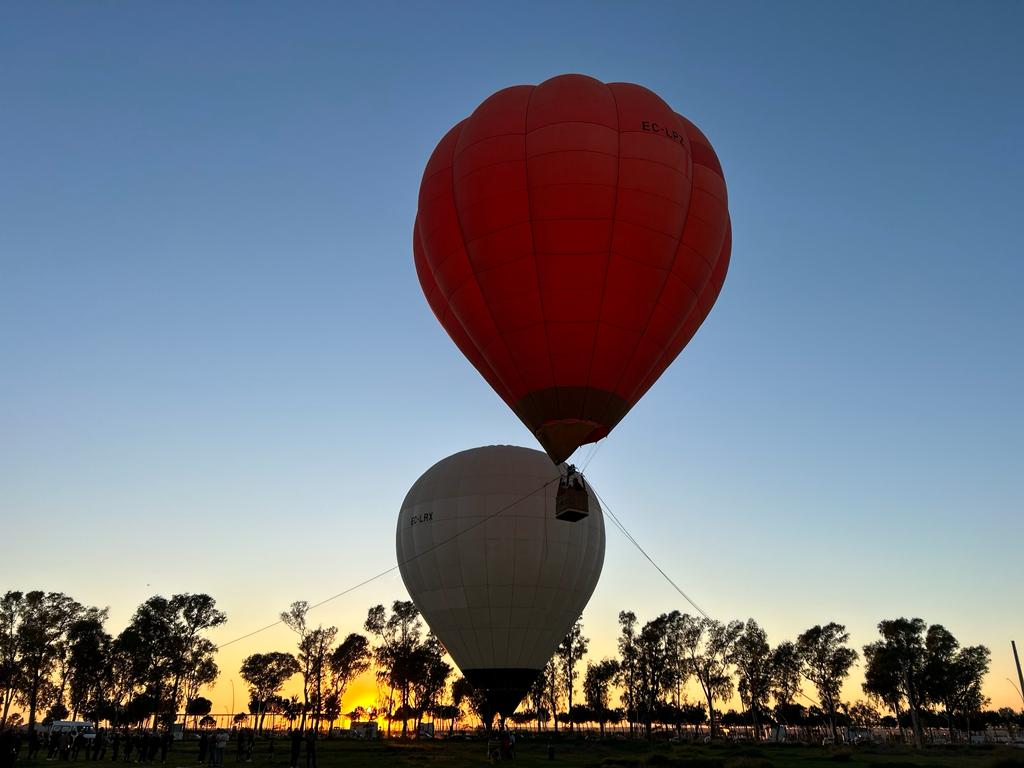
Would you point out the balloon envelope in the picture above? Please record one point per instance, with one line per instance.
(571, 237)
(499, 580)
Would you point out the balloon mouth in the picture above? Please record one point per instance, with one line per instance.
(503, 688)
(564, 418)
(561, 438)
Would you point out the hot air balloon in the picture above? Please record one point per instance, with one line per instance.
(571, 237)
(497, 577)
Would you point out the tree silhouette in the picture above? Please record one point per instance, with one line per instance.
(826, 662)
(266, 674)
(569, 652)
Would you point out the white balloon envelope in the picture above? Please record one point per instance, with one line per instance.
(499, 580)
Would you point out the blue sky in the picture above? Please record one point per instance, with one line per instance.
(214, 343)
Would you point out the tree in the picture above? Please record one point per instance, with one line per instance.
(707, 644)
(198, 707)
(314, 648)
(537, 697)
(552, 690)
(569, 652)
(952, 675)
(785, 683)
(462, 690)
(653, 650)
(596, 683)
(266, 674)
(349, 660)
(10, 650)
(398, 637)
(42, 620)
(628, 675)
(149, 647)
(314, 651)
(89, 649)
(428, 676)
(193, 654)
(863, 715)
(894, 667)
(752, 657)
(826, 661)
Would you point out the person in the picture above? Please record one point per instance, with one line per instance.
(143, 746)
(100, 747)
(220, 744)
(240, 745)
(512, 744)
(311, 748)
(7, 749)
(129, 745)
(165, 745)
(115, 745)
(506, 750)
(65, 746)
(296, 738)
(33, 744)
(270, 748)
(204, 743)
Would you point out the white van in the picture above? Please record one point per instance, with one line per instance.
(74, 727)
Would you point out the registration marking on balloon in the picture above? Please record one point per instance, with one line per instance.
(653, 127)
(424, 517)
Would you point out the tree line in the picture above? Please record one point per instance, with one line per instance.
(56, 657)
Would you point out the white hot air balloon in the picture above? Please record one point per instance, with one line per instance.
(497, 577)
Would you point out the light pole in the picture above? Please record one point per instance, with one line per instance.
(231, 720)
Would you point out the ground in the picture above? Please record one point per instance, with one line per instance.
(533, 751)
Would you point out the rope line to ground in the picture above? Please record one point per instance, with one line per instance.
(393, 568)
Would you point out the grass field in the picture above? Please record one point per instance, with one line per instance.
(532, 751)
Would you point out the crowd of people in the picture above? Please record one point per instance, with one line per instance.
(139, 746)
(146, 746)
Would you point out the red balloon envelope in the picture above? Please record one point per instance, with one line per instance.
(571, 237)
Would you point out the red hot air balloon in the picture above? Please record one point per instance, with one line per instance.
(571, 237)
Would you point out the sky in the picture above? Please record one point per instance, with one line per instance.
(219, 373)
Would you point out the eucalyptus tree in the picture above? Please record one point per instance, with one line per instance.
(193, 654)
(428, 676)
(628, 674)
(398, 636)
(952, 675)
(149, 651)
(266, 674)
(10, 650)
(461, 690)
(785, 682)
(314, 648)
(569, 652)
(347, 662)
(42, 620)
(552, 690)
(707, 644)
(163, 650)
(894, 669)
(825, 661)
(536, 696)
(752, 656)
(596, 683)
(654, 651)
(89, 647)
